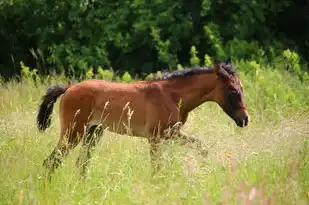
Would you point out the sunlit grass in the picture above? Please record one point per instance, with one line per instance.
(266, 162)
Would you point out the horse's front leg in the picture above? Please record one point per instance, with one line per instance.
(155, 156)
(191, 141)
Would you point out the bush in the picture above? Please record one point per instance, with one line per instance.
(137, 37)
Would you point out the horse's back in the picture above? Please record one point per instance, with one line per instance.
(113, 104)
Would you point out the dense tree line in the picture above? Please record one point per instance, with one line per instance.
(141, 36)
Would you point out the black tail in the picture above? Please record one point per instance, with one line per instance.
(46, 107)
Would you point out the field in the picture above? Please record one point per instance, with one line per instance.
(265, 163)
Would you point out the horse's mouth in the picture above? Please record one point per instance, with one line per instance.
(242, 122)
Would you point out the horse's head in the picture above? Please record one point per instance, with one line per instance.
(229, 93)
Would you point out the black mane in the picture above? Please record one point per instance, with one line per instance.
(195, 71)
(185, 72)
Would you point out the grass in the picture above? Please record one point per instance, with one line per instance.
(265, 163)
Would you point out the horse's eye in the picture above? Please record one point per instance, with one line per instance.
(234, 95)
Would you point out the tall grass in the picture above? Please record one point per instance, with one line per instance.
(265, 163)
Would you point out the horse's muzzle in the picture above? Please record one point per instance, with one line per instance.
(243, 121)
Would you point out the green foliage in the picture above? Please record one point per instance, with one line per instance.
(153, 76)
(194, 60)
(304, 166)
(270, 90)
(126, 77)
(205, 7)
(163, 48)
(139, 37)
(104, 74)
(241, 49)
(28, 75)
(150, 76)
(179, 67)
(208, 61)
(214, 38)
(290, 61)
(159, 74)
(89, 74)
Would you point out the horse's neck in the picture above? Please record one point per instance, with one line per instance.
(192, 91)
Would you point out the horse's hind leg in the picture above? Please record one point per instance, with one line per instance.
(68, 141)
(91, 139)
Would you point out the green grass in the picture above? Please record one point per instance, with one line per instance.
(265, 163)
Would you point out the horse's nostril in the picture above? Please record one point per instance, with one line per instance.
(246, 120)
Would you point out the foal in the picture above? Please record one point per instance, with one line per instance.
(153, 109)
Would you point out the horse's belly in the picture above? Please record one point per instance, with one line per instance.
(121, 122)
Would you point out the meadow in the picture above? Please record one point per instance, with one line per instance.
(264, 163)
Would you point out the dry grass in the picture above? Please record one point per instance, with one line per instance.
(266, 163)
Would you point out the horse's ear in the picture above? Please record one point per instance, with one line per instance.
(220, 72)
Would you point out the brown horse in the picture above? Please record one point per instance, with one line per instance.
(153, 109)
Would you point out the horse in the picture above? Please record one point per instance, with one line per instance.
(153, 109)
